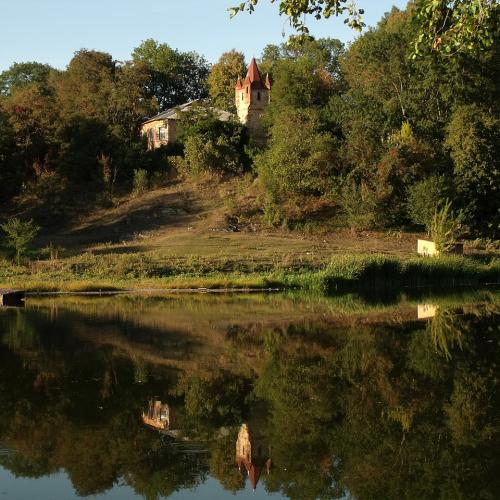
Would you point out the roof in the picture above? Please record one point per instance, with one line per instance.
(253, 78)
(173, 113)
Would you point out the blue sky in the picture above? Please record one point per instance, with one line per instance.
(50, 31)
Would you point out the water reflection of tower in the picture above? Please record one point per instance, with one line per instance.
(158, 415)
(251, 453)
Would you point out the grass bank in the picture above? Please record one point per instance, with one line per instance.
(352, 272)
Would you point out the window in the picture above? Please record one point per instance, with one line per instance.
(258, 96)
(162, 134)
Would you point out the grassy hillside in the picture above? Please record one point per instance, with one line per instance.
(210, 233)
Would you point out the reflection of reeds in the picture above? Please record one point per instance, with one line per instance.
(446, 332)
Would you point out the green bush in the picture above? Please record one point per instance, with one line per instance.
(423, 199)
(20, 235)
(359, 205)
(368, 272)
(445, 227)
(300, 159)
(140, 182)
(210, 143)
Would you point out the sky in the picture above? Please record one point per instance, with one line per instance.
(50, 31)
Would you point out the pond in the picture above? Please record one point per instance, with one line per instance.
(254, 396)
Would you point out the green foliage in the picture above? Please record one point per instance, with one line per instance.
(20, 235)
(305, 76)
(21, 74)
(359, 204)
(211, 143)
(222, 79)
(174, 77)
(423, 198)
(445, 227)
(140, 182)
(473, 139)
(296, 10)
(458, 26)
(300, 159)
(350, 272)
(447, 27)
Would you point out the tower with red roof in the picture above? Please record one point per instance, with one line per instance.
(252, 98)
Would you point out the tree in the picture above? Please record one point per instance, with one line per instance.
(20, 74)
(424, 197)
(300, 159)
(9, 179)
(448, 26)
(33, 116)
(211, 144)
(307, 75)
(473, 140)
(20, 235)
(85, 89)
(222, 79)
(174, 77)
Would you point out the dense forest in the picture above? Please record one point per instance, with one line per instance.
(369, 133)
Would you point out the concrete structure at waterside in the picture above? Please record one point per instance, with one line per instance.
(252, 454)
(428, 248)
(252, 96)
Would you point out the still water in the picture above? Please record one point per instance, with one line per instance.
(261, 396)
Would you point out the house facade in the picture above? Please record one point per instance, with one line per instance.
(162, 129)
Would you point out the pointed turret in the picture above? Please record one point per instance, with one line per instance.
(251, 100)
(253, 77)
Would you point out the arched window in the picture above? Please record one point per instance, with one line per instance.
(258, 96)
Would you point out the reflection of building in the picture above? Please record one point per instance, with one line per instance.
(425, 311)
(252, 454)
(157, 416)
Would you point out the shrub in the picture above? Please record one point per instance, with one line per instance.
(20, 235)
(210, 143)
(140, 182)
(445, 227)
(300, 159)
(202, 155)
(423, 199)
(359, 205)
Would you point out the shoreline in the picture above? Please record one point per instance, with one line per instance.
(343, 273)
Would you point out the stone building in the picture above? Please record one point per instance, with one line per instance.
(252, 97)
(161, 129)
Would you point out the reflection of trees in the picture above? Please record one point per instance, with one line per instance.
(399, 410)
(373, 417)
(446, 331)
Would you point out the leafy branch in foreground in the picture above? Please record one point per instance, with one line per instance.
(296, 10)
(447, 26)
